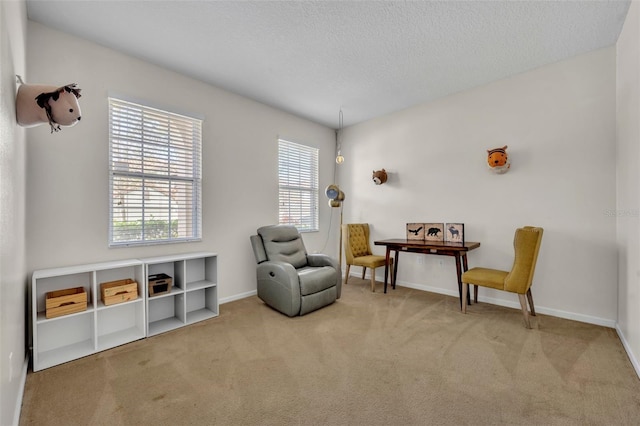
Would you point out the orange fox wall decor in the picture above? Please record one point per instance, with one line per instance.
(498, 160)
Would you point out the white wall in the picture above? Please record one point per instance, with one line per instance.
(628, 185)
(559, 124)
(67, 188)
(12, 209)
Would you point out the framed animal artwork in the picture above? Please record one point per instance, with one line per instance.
(415, 231)
(454, 233)
(434, 231)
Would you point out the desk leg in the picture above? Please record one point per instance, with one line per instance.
(459, 272)
(386, 268)
(395, 269)
(465, 268)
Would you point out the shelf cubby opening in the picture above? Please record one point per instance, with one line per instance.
(68, 338)
(120, 324)
(165, 313)
(202, 304)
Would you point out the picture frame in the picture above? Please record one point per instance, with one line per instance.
(415, 231)
(454, 233)
(434, 232)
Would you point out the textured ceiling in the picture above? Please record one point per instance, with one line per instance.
(313, 58)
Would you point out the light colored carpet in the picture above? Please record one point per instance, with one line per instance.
(403, 358)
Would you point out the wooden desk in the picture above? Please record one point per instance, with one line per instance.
(457, 250)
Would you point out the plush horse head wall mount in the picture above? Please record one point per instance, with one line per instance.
(37, 104)
(498, 160)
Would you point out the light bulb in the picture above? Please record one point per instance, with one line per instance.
(339, 158)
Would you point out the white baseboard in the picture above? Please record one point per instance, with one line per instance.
(238, 297)
(426, 288)
(23, 381)
(605, 322)
(627, 348)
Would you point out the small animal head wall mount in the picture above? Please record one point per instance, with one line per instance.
(38, 104)
(498, 160)
(379, 177)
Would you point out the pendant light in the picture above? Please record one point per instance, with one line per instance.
(339, 157)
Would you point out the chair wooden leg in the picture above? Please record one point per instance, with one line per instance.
(530, 298)
(346, 276)
(475, 294)
(364, 269)
(465, 291)
(373, 280)
(525, 311)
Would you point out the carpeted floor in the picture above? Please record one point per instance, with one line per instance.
(407, 357)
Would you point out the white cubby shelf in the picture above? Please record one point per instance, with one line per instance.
(193, 297)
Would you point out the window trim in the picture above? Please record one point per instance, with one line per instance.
(194, 176)
(313, 171)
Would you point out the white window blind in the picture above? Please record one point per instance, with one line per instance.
(155, 175)
(298, 183)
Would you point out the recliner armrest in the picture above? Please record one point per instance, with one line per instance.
(318, 259)
(279, 286)
(281, 272)
(325, 260)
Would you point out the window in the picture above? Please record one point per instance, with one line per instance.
(298, 184)
(155, 177)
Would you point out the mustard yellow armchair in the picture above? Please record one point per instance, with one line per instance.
(526, 244)
(357, 251)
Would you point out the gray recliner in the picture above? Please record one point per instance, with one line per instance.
(290, 280)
